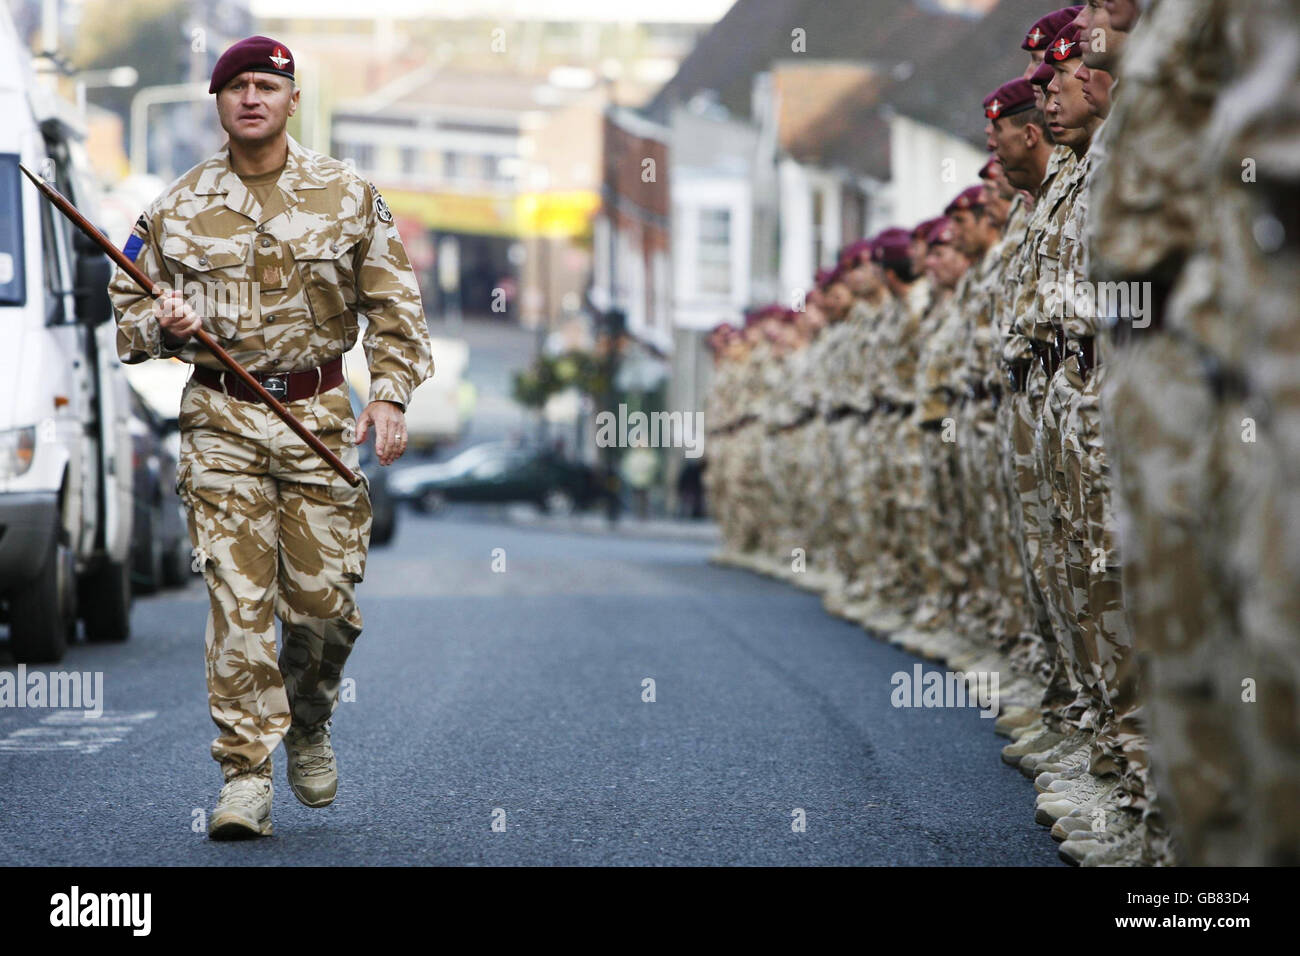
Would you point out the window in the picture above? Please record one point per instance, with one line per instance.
(13, 286)
(451, 165)
(410, 161)
(361, 156)
(714, 258)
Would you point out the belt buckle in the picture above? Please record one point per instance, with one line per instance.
(277, 386)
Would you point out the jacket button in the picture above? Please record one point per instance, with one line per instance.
(261, 228)
(270, 318)
(266, 243)
(203, 260)
(334, 247)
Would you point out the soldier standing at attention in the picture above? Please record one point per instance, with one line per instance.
(275, 251)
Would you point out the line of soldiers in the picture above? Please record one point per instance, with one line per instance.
(1055, 433)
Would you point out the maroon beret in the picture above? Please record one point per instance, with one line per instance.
(1065, 45)
(986, 171)
(854, 251)
(1009, 99)
(922, 229)
(1043, 75)
(969, 198)
(941, 233)
(258, 54)
(892, 245)
(1045, 28)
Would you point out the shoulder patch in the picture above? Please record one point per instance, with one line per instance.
(381, 208)
(136, 240)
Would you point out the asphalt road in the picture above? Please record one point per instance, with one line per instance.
(520, 691)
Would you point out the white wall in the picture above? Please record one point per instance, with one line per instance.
(929, 168)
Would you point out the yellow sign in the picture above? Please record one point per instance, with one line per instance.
(554, 215)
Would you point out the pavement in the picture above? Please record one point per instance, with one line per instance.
(599, 699)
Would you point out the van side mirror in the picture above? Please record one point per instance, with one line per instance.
(94, 271)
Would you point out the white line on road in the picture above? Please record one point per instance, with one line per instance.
(73, 732)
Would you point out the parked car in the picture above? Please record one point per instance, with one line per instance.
(501, 472)
(383, 523)
(160, 544)
(65, 444)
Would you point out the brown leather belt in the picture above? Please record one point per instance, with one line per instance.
(284, 386)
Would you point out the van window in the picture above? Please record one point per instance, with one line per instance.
(13, 283)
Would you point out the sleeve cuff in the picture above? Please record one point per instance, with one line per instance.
(386, 390)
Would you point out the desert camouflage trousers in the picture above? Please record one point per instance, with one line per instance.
(1039, 549)
(276, 533)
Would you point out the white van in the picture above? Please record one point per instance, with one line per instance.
(65, 445)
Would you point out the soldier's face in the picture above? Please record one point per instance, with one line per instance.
(963, 224)
(1103, 37)
(995, 207)
(254, 107)
(917, 250)
(858, 279)
(1096, 89)
(838, 299)
(1068, 113)
(1035, 61)
(945, 263)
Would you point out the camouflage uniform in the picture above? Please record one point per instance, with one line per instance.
(1026, 411)
(1171, 431)
(938, 380)
(1257, 116)
(275, 531)
(1022, 641)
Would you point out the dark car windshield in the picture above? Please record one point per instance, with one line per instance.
(13, 286)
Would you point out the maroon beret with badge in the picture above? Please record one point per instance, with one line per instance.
(1045, 28)
(941, 233)
(1043, 75)
(1065, 45)
(256, 54)
(1010, 98)
(986, 171)
(853, 252)
(922, 229)
(892, 246)
(972, 197)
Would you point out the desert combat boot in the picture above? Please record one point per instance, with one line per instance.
(243, 808)
(312, 769)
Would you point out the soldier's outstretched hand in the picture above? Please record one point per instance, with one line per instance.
(389, 423)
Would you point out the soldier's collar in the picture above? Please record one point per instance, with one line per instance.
(216, 178)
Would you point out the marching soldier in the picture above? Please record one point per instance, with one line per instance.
(277, 252)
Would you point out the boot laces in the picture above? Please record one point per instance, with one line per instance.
(246, 792)
(312, 753)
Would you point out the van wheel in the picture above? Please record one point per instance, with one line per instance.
(38, 610)
(105, 602)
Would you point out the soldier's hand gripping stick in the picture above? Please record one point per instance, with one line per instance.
(77, 219)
